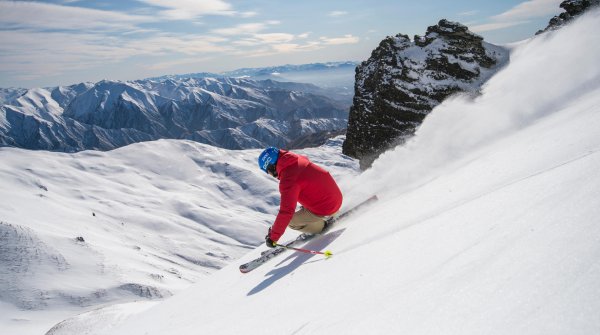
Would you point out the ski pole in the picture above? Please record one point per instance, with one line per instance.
(327, 253)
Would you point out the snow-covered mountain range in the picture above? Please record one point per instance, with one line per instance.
(233, 113)
(332, 75)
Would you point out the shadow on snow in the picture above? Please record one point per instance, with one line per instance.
(298, 258)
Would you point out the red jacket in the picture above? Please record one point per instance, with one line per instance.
(304, 182)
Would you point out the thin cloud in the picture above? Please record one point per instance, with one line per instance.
(42, 16)
(262, 39)
(248, 14)
(337, 13)
(172, 44)
(160, 66)
(242, 29)
(43, 40)
(40, 54)
(346, 39)
(43, 54)
(286, 48)
(288, 43)
(189, 9)
(494, 26)
(283, 48)
(468, 13)
(529, 9)
(274, 37)
(519, 14)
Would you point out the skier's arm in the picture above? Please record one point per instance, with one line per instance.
(289, 198)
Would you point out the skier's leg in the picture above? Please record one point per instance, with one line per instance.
(307, 222)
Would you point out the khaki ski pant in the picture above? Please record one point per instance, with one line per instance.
(307, 222)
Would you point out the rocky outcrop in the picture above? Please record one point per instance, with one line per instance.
(404, 80)
(573, 8)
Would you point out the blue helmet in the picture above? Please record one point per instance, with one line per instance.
(267, 157)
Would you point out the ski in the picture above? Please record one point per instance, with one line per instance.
(271, 253)
(302, 238)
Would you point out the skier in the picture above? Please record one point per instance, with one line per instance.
(300, 181)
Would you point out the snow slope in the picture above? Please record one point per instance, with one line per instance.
(152, 218)
(487, 224)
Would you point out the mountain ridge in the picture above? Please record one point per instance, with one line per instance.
(234, 113)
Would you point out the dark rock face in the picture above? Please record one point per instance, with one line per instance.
(573, 8)
(404, 80)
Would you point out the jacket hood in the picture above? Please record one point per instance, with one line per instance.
(286, 159)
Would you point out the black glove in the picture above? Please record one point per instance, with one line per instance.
(268, 241)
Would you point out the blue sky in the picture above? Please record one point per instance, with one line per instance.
(62, 42)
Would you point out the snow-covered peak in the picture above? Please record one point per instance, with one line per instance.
(63, 95)
(7, 95)
(39, 103)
